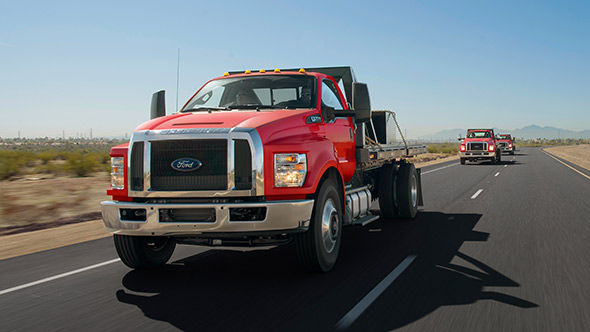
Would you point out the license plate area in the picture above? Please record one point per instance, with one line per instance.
(187, 215)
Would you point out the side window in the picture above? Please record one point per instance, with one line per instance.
(330, 96)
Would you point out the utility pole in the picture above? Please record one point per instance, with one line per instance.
(90, 133)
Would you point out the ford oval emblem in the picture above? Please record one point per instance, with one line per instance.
(186, 164)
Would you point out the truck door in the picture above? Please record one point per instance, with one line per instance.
(340, 130)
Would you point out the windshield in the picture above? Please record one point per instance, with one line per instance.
(478, 134)
(264, 91)
(505, 137)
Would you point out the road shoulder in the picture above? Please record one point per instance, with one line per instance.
(36, 241)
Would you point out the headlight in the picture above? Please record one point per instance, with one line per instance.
(290, 169)
(117, 173)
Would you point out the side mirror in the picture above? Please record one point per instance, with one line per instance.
(158, 107)
(361, 104)
(461, 139)
(328, 113)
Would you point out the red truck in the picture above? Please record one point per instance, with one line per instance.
(257, 159)
(479, 144)
(506, 143)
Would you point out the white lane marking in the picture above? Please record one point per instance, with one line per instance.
(9, 290)
(497, 174)
(437, 169)
(366, 301)
(584, 175)
(505, 165)
(476, 194)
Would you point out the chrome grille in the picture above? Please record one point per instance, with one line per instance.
(238, 171)
(212, 175)
(477, 146)
(136, 166)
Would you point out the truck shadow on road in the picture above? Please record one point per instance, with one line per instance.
(265, 289)
(487, 163)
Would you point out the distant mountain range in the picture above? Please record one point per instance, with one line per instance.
(528, 132)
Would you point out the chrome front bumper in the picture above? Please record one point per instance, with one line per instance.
(280, 216)
(477, 154)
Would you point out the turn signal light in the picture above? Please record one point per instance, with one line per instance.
(491, 148)
(462, 148)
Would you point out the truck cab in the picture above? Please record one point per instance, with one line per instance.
(259, 158)
(479, 144)
(506, 143)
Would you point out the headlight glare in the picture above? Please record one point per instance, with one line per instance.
(117, 173)
(290, 169)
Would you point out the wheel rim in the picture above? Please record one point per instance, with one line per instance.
(414, 189)
(330, 225)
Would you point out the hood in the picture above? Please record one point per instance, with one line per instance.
(478, 139)
(223, 119)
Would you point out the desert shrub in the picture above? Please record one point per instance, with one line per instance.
(50, 168)
(448, 148)
(47, 156)
(12, 163)
(82, 164)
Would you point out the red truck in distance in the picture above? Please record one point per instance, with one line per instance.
(479, 144)
(506, 143)
(257, 159)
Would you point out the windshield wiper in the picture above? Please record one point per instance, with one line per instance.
(206, 109)
(250, 107)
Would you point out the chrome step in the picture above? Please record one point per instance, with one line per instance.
(362, 221)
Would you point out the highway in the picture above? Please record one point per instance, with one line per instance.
(496, 247)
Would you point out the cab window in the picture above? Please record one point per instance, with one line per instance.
(330, 95)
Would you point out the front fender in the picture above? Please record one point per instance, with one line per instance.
(320, 157)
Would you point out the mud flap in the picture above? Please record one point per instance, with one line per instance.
(420, 199)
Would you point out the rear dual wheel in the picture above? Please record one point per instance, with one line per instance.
(398, 191)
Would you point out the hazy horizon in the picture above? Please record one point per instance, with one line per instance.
(507, 64)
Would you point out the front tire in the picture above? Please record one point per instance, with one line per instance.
(144, 252)
(462, 160)
(318, 248)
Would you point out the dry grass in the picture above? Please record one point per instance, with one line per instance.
(577, 154)
(42, 198)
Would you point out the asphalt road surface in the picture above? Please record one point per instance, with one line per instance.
(496, 247)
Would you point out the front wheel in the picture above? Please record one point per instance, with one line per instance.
(462, 160)
(144, 252)
(318, 248)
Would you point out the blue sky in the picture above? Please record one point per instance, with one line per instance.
(439, 64)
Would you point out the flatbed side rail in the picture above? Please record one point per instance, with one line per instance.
(374, 154)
